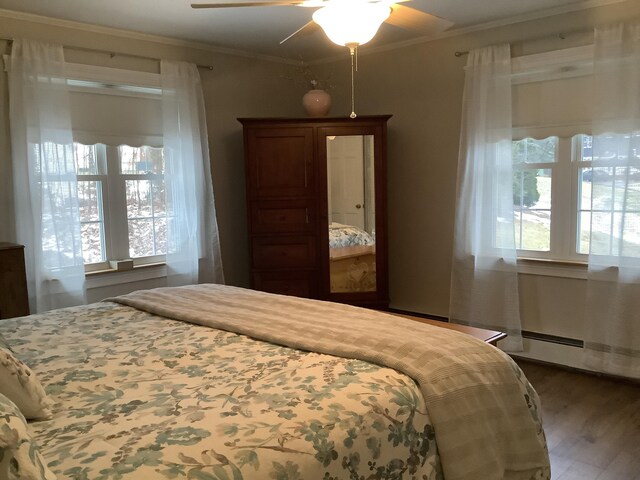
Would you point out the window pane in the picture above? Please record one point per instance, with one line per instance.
(631, 234)
(146, 211)
(586, 147)
(139, 199)
(89, 201)
(141, 238)
(92, 242)
(530, 150)
(532, 208)
(141, 160)
(91, 221)
(160, 229)
(86, 159)
(584, 231)
(159, 196)
(606, 192)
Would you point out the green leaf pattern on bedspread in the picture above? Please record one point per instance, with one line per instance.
(142, 397)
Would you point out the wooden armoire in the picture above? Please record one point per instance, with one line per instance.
(309, 182)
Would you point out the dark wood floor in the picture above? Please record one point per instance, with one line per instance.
(592, 423)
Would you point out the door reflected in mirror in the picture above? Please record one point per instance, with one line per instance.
(352, 213)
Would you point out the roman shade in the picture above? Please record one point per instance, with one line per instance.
(114, 106)
(551, 94)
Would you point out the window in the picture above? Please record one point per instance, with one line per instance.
(562, 198)
(121, 194)
(119, 162)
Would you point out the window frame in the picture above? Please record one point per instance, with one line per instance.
(565, 203)
(552, 66)
(112, 192)
(83, 78)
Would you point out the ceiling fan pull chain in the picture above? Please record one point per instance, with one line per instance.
(353, 49)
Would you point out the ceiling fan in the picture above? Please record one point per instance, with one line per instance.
(351, 22)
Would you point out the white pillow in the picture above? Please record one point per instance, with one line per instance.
(19, 455)
(20, 385)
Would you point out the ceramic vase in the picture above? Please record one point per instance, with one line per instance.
(316, 103)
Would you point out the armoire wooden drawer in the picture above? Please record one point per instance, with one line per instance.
(284, 252)
(283, 216)
(298, 284)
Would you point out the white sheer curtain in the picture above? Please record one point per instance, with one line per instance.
(612, 334)
(193, 254)
(484, 283)
(44, 178)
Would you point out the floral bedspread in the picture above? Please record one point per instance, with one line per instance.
(142, 397)
(347, 235)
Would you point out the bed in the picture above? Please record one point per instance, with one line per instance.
(215, 382)
(352, 253)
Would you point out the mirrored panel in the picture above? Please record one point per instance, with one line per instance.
(352, 213)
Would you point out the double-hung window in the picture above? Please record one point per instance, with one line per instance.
(559, 202)
(116, 120)
(121, 195)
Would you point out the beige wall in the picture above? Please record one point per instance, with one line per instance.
(422, 85)
(237, 87)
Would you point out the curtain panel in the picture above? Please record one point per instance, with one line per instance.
(612, 323)
(193, 251)
(484, 283)
(44, 178)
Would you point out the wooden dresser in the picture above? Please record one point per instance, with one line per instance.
(14, 299)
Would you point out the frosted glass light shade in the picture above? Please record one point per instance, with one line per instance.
(352, 21)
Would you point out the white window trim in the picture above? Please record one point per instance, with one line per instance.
(106, 278)
(113, 81)
(562, 260)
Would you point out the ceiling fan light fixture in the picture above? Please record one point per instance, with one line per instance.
(351, 22)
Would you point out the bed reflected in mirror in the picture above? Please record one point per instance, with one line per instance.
(352, 213)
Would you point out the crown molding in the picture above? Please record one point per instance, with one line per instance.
(133, 35)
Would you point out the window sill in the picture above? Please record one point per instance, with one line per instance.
(552, 268)
(108, 277)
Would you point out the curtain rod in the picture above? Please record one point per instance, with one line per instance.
(112, 54)
(561, 36)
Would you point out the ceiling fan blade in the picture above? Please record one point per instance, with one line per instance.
(278, 3)
(411, 19)
(306, 29)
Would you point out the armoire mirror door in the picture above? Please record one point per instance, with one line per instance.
(351, 213)
(354, 261)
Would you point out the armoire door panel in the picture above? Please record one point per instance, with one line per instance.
(282, 163)
(284, 252)
(293, 216)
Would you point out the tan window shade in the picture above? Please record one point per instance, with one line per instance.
(552, 93)
(113, 119)
(115, 107)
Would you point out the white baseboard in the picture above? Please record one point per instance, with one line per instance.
(549, 352)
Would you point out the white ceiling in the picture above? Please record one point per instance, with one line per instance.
(260, 29)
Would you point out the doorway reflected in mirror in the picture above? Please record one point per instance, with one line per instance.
(352, 215)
